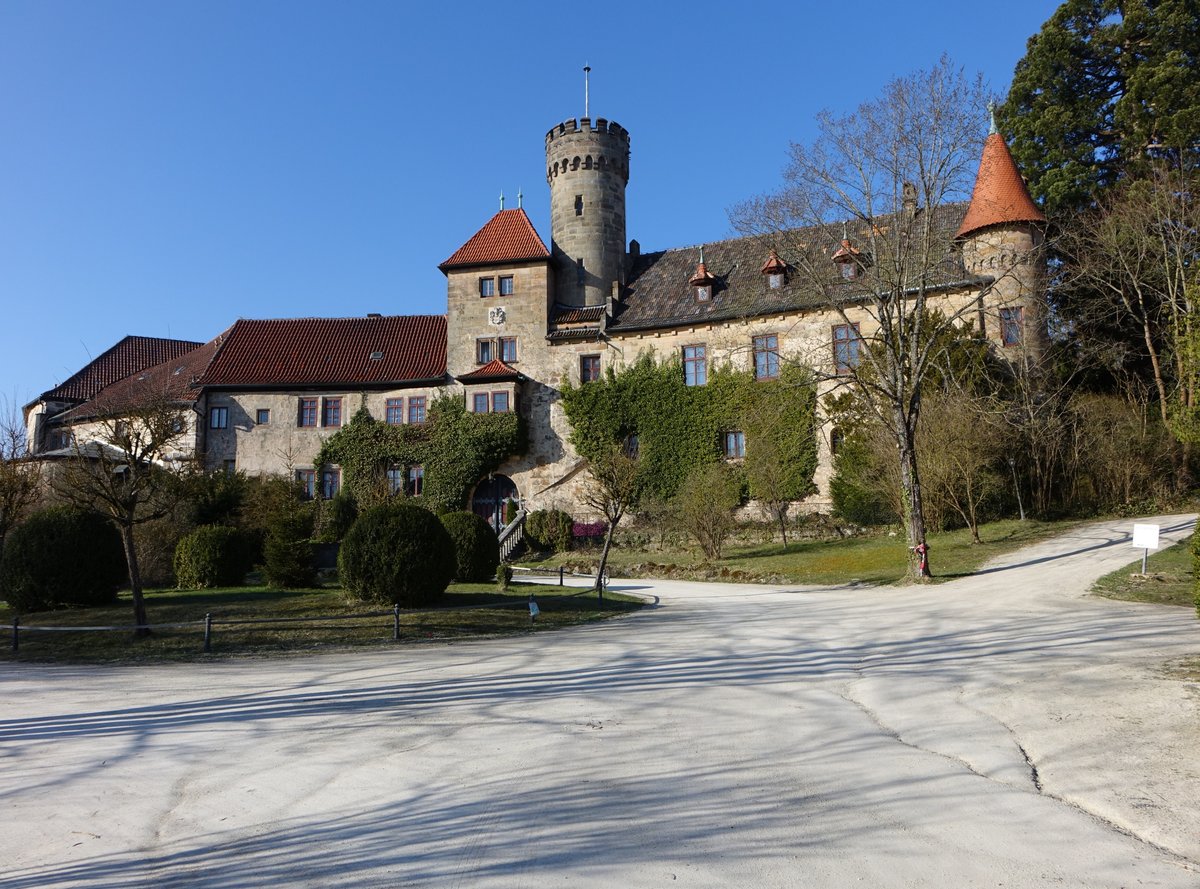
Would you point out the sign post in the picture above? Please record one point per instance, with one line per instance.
(1145, 538)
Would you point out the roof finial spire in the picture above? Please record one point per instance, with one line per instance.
(587, 69)
(702, 254)
(991, 107)
(502, 199)
(520, 198)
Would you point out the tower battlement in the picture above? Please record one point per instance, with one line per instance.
(587, 169)
(584, 144)
(587, 125)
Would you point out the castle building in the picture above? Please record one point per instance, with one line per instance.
(521, 318)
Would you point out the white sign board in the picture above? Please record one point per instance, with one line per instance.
(1145, 536)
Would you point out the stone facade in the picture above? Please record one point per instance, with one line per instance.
(587, 168)
(521, 319)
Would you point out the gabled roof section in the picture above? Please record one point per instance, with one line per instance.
(508, 236)
(658, 295)
(495, 371)
(130, 355)
(376, 350)
(1000, 195)
(166, 383)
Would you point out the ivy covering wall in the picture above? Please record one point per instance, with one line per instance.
(456, 448)
(679, 427)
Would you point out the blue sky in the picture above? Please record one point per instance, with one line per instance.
(171, 167)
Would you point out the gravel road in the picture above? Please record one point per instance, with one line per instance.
(999, 730)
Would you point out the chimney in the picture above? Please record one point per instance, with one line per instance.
(635, 250)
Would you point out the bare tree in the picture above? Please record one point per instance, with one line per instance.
(876, 181)
(1135, 256)
(615, 488)
(20, 476)
(129, 470)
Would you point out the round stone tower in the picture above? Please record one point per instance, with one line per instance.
(587, 167)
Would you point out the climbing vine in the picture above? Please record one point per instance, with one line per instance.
(455, 447)
(677, 427)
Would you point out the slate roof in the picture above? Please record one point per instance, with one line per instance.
(495, 371)
(331, 352)
(508, 236)
(128, 356)
(1000, 194)
(170, 381)
(576, 314)
(659, 294)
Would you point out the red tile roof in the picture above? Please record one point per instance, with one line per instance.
(130, 355)
(774, 265)
(495, 371)
(170, 381)
(508, 236)
(331, 352)
(1000, 194)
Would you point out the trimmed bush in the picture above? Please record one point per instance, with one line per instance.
(476, 547)
(338, 517)
(399, 553)
(504, 576)
(549, 529)
(62, 557)
(213, 555)
(288, 550)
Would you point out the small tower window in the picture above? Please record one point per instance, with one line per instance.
(1012, 326)
(578, 205)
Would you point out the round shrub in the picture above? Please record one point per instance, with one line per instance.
(213, 555)
(399, 553)
(549, 529)
(475, 546)
(288, 550)
(62, 557)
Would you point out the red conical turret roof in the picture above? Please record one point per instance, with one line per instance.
(1000, 194)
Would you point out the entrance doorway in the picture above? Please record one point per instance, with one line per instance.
(490, 496)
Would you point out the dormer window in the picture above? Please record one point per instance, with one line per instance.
(776, 271)
(849, 260)
(702, 282)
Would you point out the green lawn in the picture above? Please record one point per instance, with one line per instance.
(462, 613)
(874, 560)
(1168, 579)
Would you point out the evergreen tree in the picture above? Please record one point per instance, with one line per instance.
(1105, 87)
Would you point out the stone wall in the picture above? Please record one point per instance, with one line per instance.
(587, 168)
(281, 445)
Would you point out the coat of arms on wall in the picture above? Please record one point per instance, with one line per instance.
(496, 315)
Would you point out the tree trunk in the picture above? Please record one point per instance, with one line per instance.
(781, 513)
(612, 529)
(135, 581)
(914, 509)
